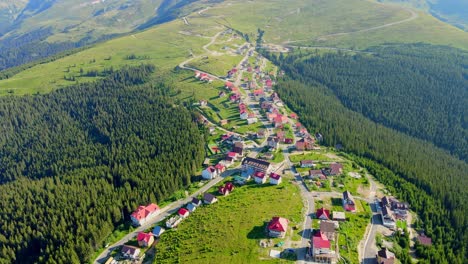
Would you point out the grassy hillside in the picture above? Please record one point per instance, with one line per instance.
(454, 12)
(169, 44)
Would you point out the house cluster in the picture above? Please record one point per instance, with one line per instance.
(322, 239)
(392, 210)
(204, 77)
(246, 114)
(334, 169)
(260, 171)
(274, 141)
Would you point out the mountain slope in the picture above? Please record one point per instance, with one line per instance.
(169, 44)
(37, 28)
(454, 12)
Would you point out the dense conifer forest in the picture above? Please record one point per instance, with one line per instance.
(421, 90)
(76, 162)
(430, 179)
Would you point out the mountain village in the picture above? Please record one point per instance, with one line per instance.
(264, 143)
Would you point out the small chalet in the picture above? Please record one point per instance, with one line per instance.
(145, 239)
(220, 168)
(387, 218)
(229, 85)
(320, 244)
(157, 231)
(191, 207)
(348, 202)
(268, 156)
(328, 229)
(223, 122)
(208, 198)
(314, 174)
(203, 103)
(209, 173)
(306, 143)
(238, 148)
(293, 116)
(234, 98)
(256, 165)
(243, 115)
(424, 240)
(261, 133)
(275, 179)
(232, 154)
(385, 257)
(273, 142)
(339, 216)
(196, 202)
(288, 140)
(307, 164)
(336, 169)
(221, 94)
(252, 120)
(144, 213)
(183, 212)
(278, 227)
(130, 252)
(323, 214)
(260, 177)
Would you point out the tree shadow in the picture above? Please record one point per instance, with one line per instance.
(258, 232)
(336, 202)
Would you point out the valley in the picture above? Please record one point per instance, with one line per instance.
(303, 86)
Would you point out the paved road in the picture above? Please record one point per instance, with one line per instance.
(370, 249)
(165, 212)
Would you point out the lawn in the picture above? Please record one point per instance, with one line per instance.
(313, 155)
(229, 230)
(349, 183)
(216, 65)
(401, 224)
(278, 156)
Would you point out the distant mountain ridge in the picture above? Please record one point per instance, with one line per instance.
(34, 29)
(454, 12)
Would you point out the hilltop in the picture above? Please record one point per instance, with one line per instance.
(169, 44)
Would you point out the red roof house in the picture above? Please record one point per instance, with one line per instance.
(278, 226)
(293, 116)
(229, 186)
(260, 177)
(223, 191)
(145, 239)
(143, 213)
(275, 179)
(183, 212)
(220, 168)
(323, 214)
(320, 243)
(229, 85)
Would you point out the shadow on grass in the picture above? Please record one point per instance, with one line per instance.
(258, 232)
(336, 202)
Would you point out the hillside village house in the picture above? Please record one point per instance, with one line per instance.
(273, 142)
(277, 227)
(306, 143)
(335, 169)
(208, 198)
(320, 246)
(323, 214)
(256, 165)
(145, 239)
(391, 210)
(275, 179)
(385, 257)
(130, 252)
(307, 164)
(183, 212)
(191, 207)
(157, 231)
(348, 202)
(260, 177)
(196, 202)
(209, 173)
(339, 216)
(328, 229)
(387, 218)
(174, 221)
(317, 174)
(144, 214)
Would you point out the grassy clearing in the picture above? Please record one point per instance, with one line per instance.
(216, 233)
(217, 65)
(315, 155)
